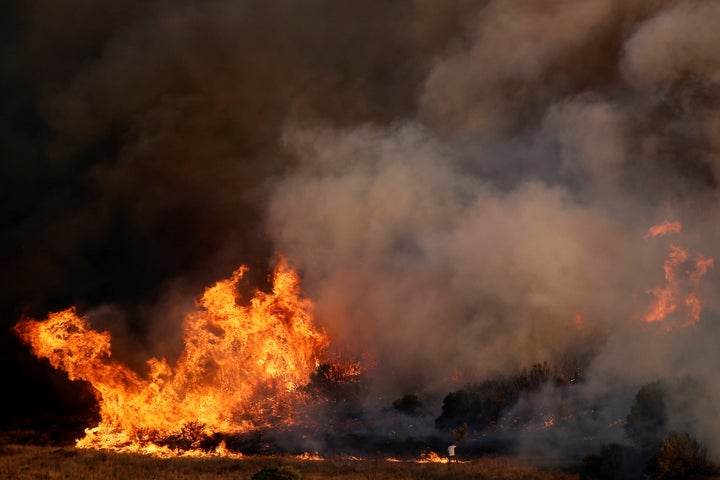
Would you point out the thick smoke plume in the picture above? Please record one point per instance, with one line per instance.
(465, 187)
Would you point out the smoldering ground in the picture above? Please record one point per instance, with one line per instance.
(465, 187)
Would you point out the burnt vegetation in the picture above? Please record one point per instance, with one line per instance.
(340, 390)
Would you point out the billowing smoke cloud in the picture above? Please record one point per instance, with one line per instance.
(469, 238)
(439, 269)
(465, 187)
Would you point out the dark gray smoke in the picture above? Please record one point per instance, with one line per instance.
(465, 187)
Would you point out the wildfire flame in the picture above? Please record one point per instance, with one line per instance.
(310, 457)
(241, 368)
(663, 229)
(426, 457)
(678, 282)
(431, 457)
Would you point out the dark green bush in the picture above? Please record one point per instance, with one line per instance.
(279, 473)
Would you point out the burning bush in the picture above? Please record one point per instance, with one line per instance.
(339, 387)
(191, 436)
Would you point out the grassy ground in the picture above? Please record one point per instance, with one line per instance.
(49, 463)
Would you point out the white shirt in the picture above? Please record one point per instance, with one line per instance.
(451, 450)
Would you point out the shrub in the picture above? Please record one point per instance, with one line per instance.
(646, 423)
(478, 405)
(191, 435)
(481, 405)
(408, 403)
(614, 462)
(604, 466)
(280, 473)
(679, 457)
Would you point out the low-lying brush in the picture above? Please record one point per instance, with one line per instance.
(35, 462)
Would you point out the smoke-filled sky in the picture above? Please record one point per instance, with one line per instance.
(464, 186)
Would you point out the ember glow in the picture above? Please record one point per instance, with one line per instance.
(242, 366)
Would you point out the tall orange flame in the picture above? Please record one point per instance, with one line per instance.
(242, 366)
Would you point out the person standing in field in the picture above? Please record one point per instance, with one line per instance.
(451, 454)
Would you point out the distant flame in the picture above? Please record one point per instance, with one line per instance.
(663, 229)
(679, 283)
(242, 367)
(665, 295)
(426, 457)
(702, 265)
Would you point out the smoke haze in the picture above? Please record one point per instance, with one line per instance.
(465, 187)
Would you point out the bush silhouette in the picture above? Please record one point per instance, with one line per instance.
(614, 462)
(679, 457)
(280, 473)
(647, 421)
(480, 405)
(408, 403)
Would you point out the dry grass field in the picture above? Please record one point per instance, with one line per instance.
(19, 462)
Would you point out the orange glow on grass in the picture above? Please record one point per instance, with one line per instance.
(431, 457)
